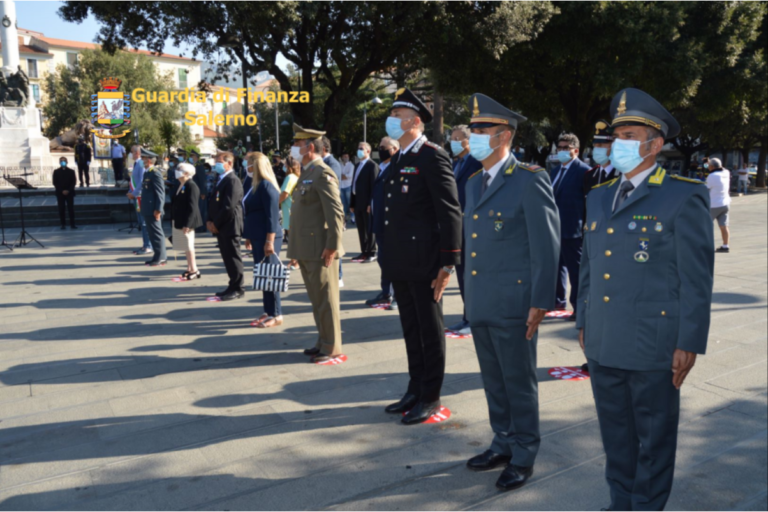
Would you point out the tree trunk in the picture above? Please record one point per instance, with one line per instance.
(437, 121)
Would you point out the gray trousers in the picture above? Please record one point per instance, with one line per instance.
(508, 366)
(156, 237)
(638, 414)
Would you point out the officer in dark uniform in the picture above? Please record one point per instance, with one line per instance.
(152, 206)
(201, 180)
(512, 244)
(422, 234)
(645, 291)
(601, 155)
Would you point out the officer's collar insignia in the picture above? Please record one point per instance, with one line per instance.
(476, 110)
(622, 104)
(594, 225)
(657, 178)
(419, 143)
(478, 172)
(511, 168)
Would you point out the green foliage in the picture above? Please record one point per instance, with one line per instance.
(169, 134)
(69, 90)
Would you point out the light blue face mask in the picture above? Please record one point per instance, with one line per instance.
(360, 154)
(219, 168)
(63, 164)
(394, 127)
(480, 146)
(191, 160)
(625, 155)
(456, 147)
(564, 156)
(600, 155)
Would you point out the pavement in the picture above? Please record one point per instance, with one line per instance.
(122, 390)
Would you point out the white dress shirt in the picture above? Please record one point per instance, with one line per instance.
(561, 174)
(493, 171)
(635, 180)
(347, 173)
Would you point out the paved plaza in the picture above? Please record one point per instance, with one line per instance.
(122, 390)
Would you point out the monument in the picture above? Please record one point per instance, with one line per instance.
(22, 144)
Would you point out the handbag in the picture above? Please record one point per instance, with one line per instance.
(270, 277)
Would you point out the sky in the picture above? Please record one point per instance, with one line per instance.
(43, 17)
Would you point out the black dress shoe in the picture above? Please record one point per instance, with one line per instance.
(221, 294)
(311, 351)
(370, 259)
(380, 300)
(405, 404)
(392, 306)
(488, 460)
(234, 294)
(513, 477)
(358, 258)
(585, 368)
(421, 412)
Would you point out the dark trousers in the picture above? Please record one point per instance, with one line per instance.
(117, 166)
(570, 259)
(364, 232)
(638, 414)
(156, 236)
(271, 299)
(69, 201)
(422, 321)
(82, 171)
(508, 366)
(460, 278)
(229, 247)
(386, 284)
(203, 204)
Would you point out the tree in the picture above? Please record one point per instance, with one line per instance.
(69, 93)
(169, 135)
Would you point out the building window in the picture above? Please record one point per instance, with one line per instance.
(71, 59)
(182, 78)
(32, 68)
(36, 92)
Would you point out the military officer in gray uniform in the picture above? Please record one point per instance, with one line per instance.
(645, 289)
(512, 240)
(152, 205)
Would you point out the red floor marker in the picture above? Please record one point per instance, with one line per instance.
(379, 306)
(213, 299)
(336, 360)
(177, 279)
(568, 373)
(559, 314)
(441, 415)
(455, 335)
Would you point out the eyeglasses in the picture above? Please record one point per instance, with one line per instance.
(563, 148)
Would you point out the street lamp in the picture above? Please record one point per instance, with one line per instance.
(375, 101)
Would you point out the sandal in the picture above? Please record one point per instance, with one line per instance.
(189, 276)
(259, 321)
(271, 321)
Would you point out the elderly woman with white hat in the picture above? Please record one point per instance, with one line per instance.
(186, 218)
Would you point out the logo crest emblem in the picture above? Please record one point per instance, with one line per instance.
(641, 256)
(622, 104)
(498, 225)
(110, 109)
(476, 110)
(643, 245)
(658, 227)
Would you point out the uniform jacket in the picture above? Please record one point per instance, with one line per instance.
(82, 153)
(152, 192)
(512, 246)
(225, 206)
(596, 175)
(185, 207)
(317, 215)
(363, 190)
(200, 179)
(422, 216)
(468, 167)
(262, 213)
(646, 273)
(569, 196)
(63, 179)
(377, 200)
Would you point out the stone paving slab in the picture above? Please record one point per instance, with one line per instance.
(120, 389)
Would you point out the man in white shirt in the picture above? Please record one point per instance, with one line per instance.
(719, 184)
(743, 179)
(347, 172)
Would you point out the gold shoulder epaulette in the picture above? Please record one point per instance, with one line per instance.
(609, 182)
(530, 167)
(689, 180)
(478, 172)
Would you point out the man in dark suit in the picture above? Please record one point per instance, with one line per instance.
(83, 156)
(64, 181)
(362, 191)
(422, 240)
(464, 166)
(387, 148)
(225, 220)
(568, 186)
(201, 180)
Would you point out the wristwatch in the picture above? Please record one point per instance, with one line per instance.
(449, 270)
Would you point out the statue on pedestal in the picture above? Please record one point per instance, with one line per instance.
(14, 90)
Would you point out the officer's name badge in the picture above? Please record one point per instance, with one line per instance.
(498, 225)
(409, 170)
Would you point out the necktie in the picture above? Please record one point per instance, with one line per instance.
(624, 190)
(486, 181)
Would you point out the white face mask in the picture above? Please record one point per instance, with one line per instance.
(179, 174)
(296, 153)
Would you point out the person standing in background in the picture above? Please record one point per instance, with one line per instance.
(292, 173)
(262, 232)
(201, 180)
(83, 156)
(743, 182)
(118, 161)
(152, 207)
(362, 190)
(225, 220)
(719, 184)
(601, 155)
(347, 173)
(64, 181)
(134, 194)
(186, 217)
(278, 168)
(330, 161)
